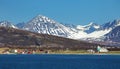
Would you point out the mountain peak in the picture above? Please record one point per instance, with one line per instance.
(91, 23)
(6, 23)
(41, 16)
(45, 25)
(42, 19)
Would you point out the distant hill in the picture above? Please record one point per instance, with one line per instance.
(19, 38)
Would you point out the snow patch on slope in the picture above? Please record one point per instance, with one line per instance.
(98, 34)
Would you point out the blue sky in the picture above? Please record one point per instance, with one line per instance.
(65, 11)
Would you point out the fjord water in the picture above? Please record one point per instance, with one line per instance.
(49, 61)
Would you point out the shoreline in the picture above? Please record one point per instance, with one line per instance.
(61, 52)
(64, 54)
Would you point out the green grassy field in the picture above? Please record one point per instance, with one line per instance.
(68, 52)
(81, 52)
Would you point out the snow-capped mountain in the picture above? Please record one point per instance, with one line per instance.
(94, 32)
(111, 25)
(114, 30)
(41, 24)
(113, 35)
(105, 29)
(90, 31)
(7, 24)
(85, 31)
(45, 25)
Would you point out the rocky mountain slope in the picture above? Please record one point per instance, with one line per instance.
(114, 35)
(15, 37)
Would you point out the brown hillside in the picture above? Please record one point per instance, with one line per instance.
(19, 38)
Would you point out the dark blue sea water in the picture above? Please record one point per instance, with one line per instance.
(59, 61)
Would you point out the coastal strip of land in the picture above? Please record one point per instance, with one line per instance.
(6, 50)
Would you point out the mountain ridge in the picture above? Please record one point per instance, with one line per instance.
(44, 25)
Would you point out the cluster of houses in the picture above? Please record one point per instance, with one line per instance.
(24, 51)
(38, 51)
(99, 50)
